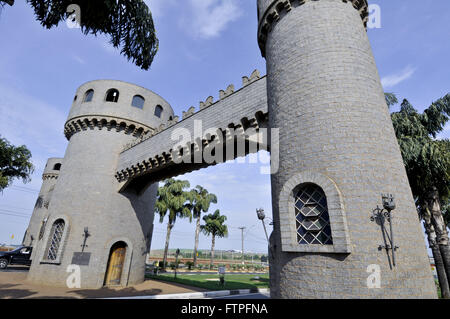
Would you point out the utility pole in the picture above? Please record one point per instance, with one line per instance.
(242, 237)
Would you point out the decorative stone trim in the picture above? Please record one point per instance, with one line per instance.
(278, 7)
(84, 123)
(49, 176)
(336, 211)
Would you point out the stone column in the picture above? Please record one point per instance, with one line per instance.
(326, 98)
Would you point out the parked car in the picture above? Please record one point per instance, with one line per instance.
(18, 256)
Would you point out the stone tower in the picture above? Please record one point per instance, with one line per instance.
(49, 178)
(88, 222)
(337, 140)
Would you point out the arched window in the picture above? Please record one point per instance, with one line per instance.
(75, 98)
(88, 95)
(138, 101)
(56, 234)
(112, 96)
(158, 111)
(311, 214)
(57, 167)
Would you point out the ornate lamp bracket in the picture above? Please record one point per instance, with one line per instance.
(381, 215)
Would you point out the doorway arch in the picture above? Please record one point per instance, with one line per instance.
(116, 264)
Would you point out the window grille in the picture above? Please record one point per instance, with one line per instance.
(311, 214)
(55, 239)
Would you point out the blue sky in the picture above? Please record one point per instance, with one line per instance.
(204, 46)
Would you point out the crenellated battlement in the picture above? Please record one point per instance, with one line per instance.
(271, 11)
(223, 94)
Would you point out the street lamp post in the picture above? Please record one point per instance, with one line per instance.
(261, 215)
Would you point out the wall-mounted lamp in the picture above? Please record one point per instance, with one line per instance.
(383, 214)
(85, 235)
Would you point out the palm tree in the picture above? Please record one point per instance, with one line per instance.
(214, 225)
(200, 200)
(171, 201)
(427, 162)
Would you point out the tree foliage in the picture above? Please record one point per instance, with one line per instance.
(201, 199)
(427, 159)
(129, 24)
(214, 225)
(391, 99)
(171, 201)
(14, 163)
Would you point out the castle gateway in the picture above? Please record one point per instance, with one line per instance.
(335, 153)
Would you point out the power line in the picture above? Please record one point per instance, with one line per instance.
(25, 190)
(15, 215)
(13, 207)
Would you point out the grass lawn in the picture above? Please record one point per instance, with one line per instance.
(211, 281)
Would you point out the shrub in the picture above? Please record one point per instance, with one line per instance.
(190, 264)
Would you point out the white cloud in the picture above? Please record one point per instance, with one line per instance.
(396, 78)
(210, 17)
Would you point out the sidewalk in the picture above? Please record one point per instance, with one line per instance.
(13, 285)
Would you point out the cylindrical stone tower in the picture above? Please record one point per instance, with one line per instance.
(40, 212)
(337, 154)
(90, 223)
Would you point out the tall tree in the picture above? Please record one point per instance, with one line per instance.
(171, 201)
(427, 162)
(200, 200)
(214, 226)
(128, 23)
(14, 163)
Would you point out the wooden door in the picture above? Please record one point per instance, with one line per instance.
(115, 264)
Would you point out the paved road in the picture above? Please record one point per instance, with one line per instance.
(16, 269)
